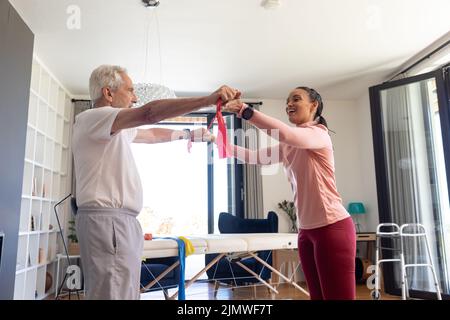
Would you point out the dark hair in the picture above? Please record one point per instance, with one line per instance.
(315, 96)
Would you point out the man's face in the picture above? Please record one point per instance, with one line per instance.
(124, 96)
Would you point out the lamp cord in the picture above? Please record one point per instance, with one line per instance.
(60, 229)
(64, 243)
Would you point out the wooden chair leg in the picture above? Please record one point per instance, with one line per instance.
(216, 288)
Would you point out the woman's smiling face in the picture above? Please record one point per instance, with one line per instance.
(299, 107)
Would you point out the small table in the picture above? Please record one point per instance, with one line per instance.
(370, 238)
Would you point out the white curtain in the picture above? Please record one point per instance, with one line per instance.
(408, 175)
(253, 200)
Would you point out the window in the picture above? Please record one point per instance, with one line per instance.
(184, 192)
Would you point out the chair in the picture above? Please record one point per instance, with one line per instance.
(227, 272)
(152, 268)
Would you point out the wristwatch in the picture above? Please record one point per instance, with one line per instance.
(187, 134)
(247, 113)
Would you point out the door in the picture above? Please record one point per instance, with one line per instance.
(410, 123)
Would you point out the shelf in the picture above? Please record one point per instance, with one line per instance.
(38, 198)
(35, 75)
(26, 269)
(27, 182)
(25, 233)
(44, 87)
(47, 176)
(21, 271)
(25, 215)
(36, 266)
(33, 109)
(30, 144)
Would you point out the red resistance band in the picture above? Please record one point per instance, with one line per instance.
(222, 135)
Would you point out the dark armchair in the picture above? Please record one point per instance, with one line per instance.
(152, 268)
(230, 273)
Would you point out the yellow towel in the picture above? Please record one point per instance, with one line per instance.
(188, 246)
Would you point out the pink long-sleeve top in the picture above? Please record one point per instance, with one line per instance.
(307, 156)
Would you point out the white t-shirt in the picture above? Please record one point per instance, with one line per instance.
(105, 170)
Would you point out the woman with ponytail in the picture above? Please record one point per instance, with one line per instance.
(327, 237)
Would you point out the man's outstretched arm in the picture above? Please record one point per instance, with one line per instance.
(159, 110)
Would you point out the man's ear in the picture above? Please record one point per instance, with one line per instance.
(107, 94)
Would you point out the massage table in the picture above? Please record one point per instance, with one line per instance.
(232, 246)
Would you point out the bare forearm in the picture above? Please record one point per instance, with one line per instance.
(157, 111)
(166, 135)
(243, 154)
(159, 135)
(265, 156)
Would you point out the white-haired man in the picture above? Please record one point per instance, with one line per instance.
(108, 187)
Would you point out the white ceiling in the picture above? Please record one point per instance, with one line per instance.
(338, 47)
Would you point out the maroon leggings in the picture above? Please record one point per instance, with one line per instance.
(327, 255)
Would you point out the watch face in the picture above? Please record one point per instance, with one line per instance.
(247, 113)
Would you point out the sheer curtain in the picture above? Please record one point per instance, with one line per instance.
(253, 201)
(407, 157)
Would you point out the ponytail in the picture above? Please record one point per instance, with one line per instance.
(322, 121)
(315, 96)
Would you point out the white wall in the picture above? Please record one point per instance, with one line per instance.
(355, 170)
(367, 164)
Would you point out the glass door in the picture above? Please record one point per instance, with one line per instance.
(174, 181)
(411, 128)
(225, 177)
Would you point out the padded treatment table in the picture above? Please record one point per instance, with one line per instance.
(232, 246)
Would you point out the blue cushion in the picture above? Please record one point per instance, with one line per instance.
(152, 268)
(232, 224)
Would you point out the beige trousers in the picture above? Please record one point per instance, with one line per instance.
(111, 244)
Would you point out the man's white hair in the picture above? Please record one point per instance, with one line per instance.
(102, 77)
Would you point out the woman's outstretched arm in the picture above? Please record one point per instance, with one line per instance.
(264, 156)
(311, 137)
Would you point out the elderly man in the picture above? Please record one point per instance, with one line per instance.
(108, 187)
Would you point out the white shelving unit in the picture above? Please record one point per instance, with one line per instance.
(46, 180)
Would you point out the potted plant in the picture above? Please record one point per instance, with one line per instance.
(74, 247)
(289, 208)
